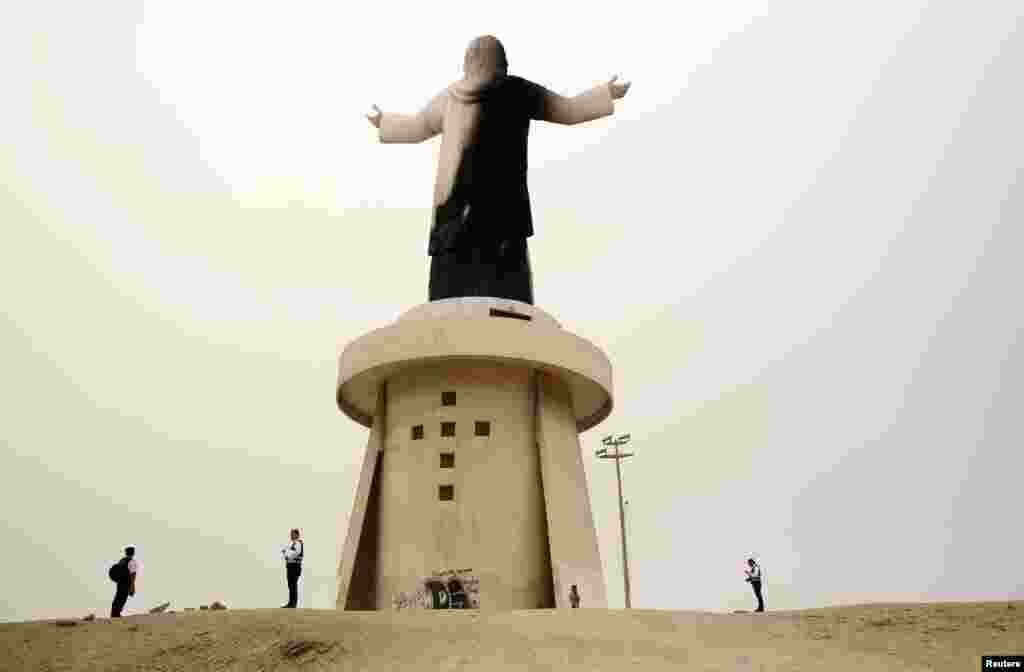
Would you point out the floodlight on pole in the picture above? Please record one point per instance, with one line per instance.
(618, 456)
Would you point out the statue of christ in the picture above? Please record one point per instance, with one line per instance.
(481, 203)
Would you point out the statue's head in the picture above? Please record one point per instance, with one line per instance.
(485, 59)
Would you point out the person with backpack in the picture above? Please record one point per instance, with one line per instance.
(754, 579)
(123, 574)
(292, 554)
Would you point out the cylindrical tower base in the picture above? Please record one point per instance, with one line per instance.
(472, 492)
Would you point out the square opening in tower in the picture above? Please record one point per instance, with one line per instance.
(417, 432)
(447, 460)
(447, 429)
(446, 493)
(483, 428)
(448, 398)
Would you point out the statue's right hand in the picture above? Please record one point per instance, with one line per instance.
(375, 118)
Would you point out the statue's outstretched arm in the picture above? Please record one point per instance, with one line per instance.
(410, 128)
(589, 105)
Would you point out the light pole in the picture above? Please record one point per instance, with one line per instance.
(619, 456)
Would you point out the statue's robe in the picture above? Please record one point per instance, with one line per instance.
(482, 212)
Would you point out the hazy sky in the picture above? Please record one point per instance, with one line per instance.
(798, 241)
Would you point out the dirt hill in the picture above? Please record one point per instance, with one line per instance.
(951, 636)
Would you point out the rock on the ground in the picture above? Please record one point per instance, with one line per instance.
(218, 606)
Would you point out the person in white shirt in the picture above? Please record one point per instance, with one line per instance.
(123, 574)
(754, 579)
(292, 554)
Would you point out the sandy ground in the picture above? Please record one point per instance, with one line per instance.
(949, 636)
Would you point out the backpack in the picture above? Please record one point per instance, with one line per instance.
(118, 572)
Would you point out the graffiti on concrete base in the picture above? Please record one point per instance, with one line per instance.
(419, 599)
(444, 589)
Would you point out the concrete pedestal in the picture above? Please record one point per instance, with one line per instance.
(473, 470)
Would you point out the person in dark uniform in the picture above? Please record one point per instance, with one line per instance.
(482, 214)
(574, 597)
(123, 574)
(754, 579)
(293, 568)
(457, 594)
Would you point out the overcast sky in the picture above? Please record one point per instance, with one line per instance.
(797, 239)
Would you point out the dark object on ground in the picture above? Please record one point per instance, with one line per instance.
(160, 608)
(90, 617)
(296, 648)
(203, 607)
(66, 622)
(218, 606)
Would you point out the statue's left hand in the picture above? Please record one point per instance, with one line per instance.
(375, 118)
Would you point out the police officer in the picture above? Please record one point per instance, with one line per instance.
(754, 579)
(292, 554)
